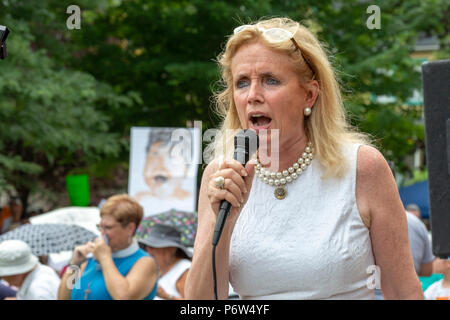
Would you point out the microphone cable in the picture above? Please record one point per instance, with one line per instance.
(214, 271)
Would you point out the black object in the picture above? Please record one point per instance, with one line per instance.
(436, 93)
(4, 32)
(246, 143)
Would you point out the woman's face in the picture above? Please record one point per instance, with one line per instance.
(163, 256)
(267, 92)
(164, 170)
(118, 236)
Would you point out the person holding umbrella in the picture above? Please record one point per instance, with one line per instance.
(113, 266)
(20, 268)
(164, 243)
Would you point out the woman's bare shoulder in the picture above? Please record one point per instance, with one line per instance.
(370, 159)
(373, 178)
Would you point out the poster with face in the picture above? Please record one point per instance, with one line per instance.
(163, 168)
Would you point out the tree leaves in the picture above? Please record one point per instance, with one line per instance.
(51, 122)
(69, 98)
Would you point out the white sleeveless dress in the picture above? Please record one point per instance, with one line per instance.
(311, 245)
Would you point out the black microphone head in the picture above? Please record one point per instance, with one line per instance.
(4, 32)
(246, 143)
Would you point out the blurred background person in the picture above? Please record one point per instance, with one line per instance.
(118, 268)
(11, 215)
(415, 210)
(16, 211)
(6, 291)
(20, 268)
(440, 290)
(5, 218)
(172, 257)
(420, 245)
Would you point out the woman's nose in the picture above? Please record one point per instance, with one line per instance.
(255, 93)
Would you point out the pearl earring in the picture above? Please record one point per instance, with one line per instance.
(307, 111)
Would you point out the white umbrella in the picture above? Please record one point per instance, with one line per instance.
(86, 217)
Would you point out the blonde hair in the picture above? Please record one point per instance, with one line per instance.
(123, 208)
(326, 127)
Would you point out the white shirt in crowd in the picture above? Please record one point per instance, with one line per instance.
(41, 284)
(436, 290)
(169, 280)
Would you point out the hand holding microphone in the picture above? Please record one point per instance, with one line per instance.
(229, 187)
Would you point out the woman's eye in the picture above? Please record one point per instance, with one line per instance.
(241, 83)
(272, 81)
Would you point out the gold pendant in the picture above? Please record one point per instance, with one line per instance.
(280, 193)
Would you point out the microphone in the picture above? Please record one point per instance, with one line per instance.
(246, 143)
(4, 32)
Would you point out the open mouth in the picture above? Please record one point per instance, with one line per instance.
(259, 121)
(160, 178)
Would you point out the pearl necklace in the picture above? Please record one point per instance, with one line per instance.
(280, 179)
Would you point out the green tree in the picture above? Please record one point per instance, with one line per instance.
(50, 122)
(165, 50)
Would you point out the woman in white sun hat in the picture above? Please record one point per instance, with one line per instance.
(20, 268)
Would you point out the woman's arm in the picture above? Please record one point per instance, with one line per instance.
(377, 198)
(70, 275)
(199, 283)
(79, 258)
(136, 285)
(181, 282)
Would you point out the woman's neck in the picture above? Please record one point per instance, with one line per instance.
(446, 280)
(123, 247)
(167, 266)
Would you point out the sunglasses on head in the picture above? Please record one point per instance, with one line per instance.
(275, 35)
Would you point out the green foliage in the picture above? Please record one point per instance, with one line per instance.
(418, 176)
(51, 122)
(165, 50)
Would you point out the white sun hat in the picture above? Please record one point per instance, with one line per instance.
(16, 258)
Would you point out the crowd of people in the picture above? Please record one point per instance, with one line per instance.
(114, 266)
(306, 222)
